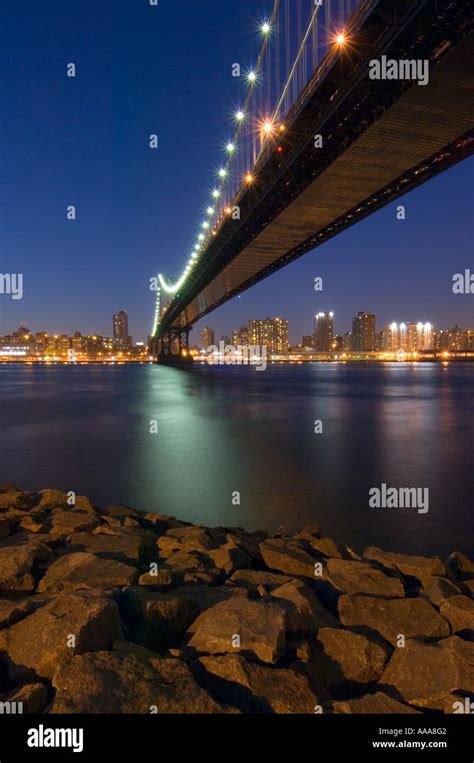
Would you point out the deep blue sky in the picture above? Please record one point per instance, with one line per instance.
(84, 141)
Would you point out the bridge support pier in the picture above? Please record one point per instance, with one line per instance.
(173, 347)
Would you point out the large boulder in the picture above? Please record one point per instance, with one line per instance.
(13, 611)
(69, 624)
(255, 628)
(18, 565)
(64, 523)
(424, 674)
(361, 577)
(82, 570)
(419, 567)
(111, 682)
(342, 660)
(439, 589)
(305, 613)
(459, 612)
(254, 688)
(377, 703)
(460, 565)
(130, 545)
(289, 557)
(392, 618)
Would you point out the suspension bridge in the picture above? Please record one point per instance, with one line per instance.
(350, 105)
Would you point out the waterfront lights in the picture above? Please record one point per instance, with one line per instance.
(240, 116)
(230, 148)
(222, 172)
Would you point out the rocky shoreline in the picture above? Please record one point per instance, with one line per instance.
(115, 611)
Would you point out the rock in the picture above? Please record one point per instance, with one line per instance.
(424, 674)
(34, 697)
(392, 617)
(164, 621)
(230, 557)
(469, 588)
(130, 545)
(40, 641)
(329, 547)
(10, 499)
(16, 568)
(254, 688)
(162, 522)
(65, 523)
(162, 579)
(251, 580)
(83, 503)
(52, 499)
(360, 577)
(377, 703)
(343, 660)
(419, 567)
(438, 589)
(33, 525)
(309, 531)
(459, 612)
(305, 613)
(120, 513)
(191, 567)
(461, 566)
(282, 555)
(83, 570)
(110, 682)
(257, 629)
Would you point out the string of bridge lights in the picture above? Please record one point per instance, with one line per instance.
(267, 128)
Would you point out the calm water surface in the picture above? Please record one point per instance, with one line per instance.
(86, 428)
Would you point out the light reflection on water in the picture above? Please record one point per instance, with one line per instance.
(86, 428)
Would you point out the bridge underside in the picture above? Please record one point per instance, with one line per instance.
(381, 140)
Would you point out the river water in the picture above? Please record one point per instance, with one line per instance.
(223, 430)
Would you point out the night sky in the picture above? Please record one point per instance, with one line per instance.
(84, 141)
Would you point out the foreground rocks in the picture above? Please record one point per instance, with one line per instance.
(115, 611)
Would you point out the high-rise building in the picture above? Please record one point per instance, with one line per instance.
(363, 332)
(240, 337)
(271, 333)
(308, 341)
(207, 338)
(120, 324)
(323, 331)
(410, 337)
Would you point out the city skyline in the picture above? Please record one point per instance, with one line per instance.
(79, 272)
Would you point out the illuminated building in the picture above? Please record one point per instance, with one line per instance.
(323, 332)
(271, 333)
(363, 332)
(207, 338)
(240, 337)
(120, 331)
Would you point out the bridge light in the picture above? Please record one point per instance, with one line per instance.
(201, 236)
(240, 116)
(216, 193)
(252, 76)
(222, 172)
(210, 210)
(230, 148)
(265, 28)
(228, 211)
(341, 38)
(205, 225)
(268, 127)
(249, 177)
